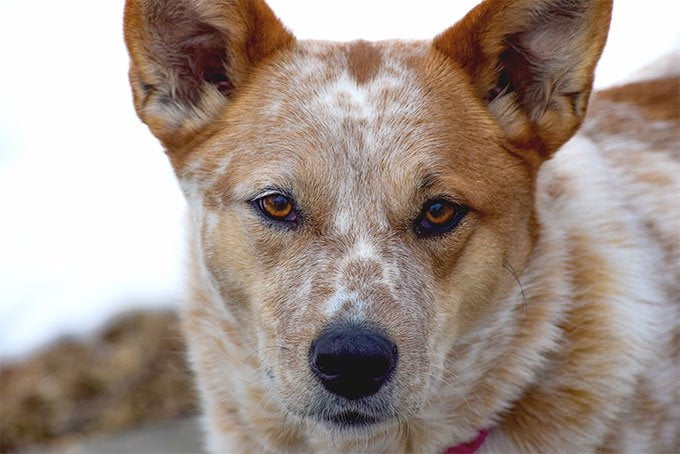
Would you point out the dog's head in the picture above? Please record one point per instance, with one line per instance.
(362, 207)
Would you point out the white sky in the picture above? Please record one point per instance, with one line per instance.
(90, 214)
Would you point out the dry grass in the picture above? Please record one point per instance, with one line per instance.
(132, 372)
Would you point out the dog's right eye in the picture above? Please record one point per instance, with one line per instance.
(277, 207)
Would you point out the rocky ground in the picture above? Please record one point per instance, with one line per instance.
(181, 436)
(78, 392)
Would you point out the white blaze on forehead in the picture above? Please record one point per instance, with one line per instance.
(344, 98)
(376, 110)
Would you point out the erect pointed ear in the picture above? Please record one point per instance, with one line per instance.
(188, 57)
(532, 62)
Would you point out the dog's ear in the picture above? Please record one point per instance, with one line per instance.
(532, 62)
(188, 57)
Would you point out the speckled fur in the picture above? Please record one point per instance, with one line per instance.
(549, 316)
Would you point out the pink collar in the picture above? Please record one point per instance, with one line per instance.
(470, 447)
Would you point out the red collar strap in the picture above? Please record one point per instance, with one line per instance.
(470, 447)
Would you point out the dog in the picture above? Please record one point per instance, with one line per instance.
(406, 246)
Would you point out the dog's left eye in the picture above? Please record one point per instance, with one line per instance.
(439, 216)
(277, 207)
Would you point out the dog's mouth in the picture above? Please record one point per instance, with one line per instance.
(352, 420)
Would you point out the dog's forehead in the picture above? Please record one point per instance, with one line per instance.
(355, 98)
(363, 122)
(357, 106)
(357, 80)
(369, 70)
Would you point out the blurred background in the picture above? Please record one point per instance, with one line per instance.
(91, 218)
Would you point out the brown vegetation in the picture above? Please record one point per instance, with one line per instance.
(131, 372)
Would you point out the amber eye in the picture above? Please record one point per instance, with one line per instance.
(439, 213)
(439, 216)
(277, 207)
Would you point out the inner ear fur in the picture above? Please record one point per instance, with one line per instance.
(532, 62)
(189, 57)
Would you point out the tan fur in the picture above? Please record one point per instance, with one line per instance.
(548, 316)
(363, 61)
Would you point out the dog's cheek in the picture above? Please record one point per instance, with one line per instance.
(255, 273)
(228, 252)
(286, 313)
(468, 287)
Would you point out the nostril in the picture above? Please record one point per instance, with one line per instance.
(377, 366)
(353, 362)
(328, 365)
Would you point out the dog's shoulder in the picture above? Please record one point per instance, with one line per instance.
(636, 127)
(609, 219)
(627, 159)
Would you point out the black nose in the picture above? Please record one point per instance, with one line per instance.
(352, 362)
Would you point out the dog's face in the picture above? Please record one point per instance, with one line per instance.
(360, 207)
(347, 202)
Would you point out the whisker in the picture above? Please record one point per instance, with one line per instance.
(257, 350)
(512, 271)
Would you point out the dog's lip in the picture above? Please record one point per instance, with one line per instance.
(352, 419)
